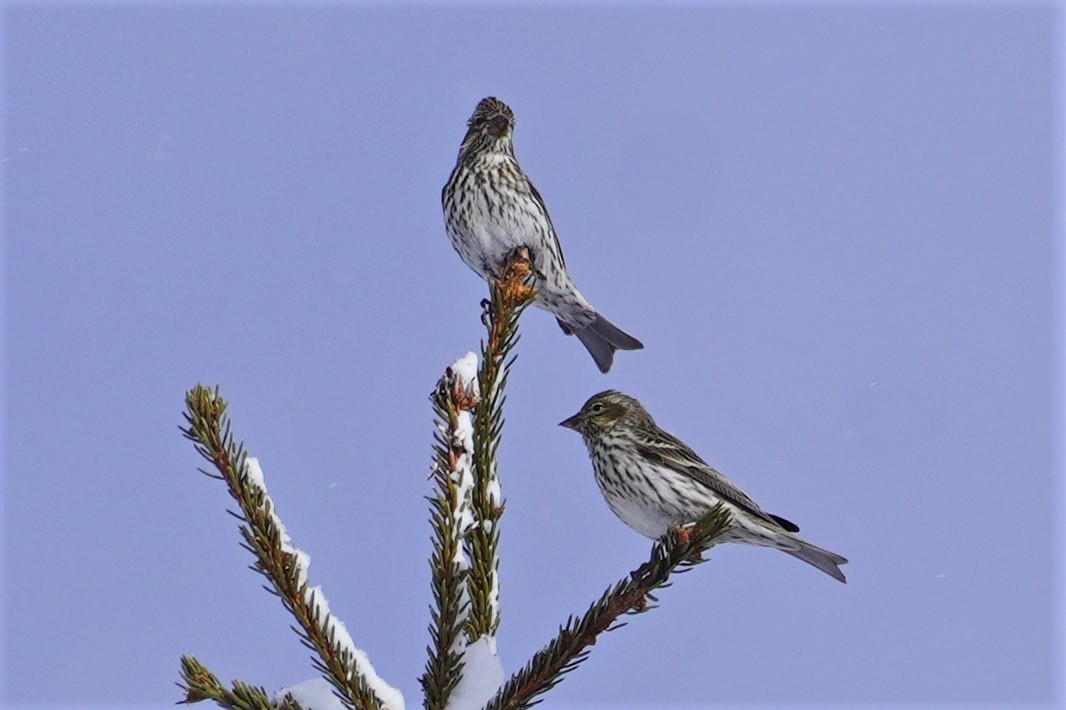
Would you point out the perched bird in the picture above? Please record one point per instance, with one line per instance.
(491, 209)
(653, 482)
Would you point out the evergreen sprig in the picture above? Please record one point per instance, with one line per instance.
(680, 550)
(452, 398)
(202, 684)
(465, 517)
(509, 296)
(208, 427)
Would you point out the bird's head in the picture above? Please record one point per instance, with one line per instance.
(490, 128)
(606, 411)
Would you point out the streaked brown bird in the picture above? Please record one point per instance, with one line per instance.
(491, 209)
(653, 481)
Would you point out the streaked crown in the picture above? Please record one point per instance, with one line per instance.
(490, 127)
(491, 109)
(607, 410)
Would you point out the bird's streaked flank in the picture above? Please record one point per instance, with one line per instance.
(491, 209)
(653, 481)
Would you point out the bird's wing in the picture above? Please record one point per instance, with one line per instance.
(669, 451)
(551, 227)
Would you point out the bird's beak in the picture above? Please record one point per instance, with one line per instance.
(572, 423)
(498, 126)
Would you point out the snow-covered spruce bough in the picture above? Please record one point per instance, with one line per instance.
(463, 671)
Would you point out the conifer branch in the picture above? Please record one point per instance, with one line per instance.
(453, 400)
(282, 564)
(679, 551)
(202, 684)
(510, 295)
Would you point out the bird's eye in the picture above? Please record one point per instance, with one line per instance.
(596, 408)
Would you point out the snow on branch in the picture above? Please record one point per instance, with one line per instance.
(463, 671)
(510, 295)
(283, 565)
(201, 684)
(482, 676)
(467, 504)
(454, 398)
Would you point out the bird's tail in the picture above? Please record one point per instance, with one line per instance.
(828, 562)
(601, 338)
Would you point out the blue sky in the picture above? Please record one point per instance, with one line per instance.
(837, 230)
